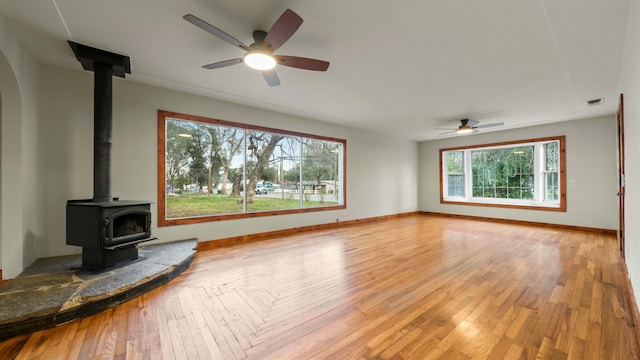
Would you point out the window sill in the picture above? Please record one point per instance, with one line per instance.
(527, 205)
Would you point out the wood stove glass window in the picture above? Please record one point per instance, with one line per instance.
(213, 170)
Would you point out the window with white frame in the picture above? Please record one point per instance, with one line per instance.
(522, 174)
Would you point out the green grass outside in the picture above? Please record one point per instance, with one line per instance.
(213, 204)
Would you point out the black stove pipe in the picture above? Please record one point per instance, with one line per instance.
(104, 65)
(102, 132)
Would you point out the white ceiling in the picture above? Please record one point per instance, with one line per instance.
(399, 67)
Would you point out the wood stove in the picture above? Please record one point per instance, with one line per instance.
(108, 229)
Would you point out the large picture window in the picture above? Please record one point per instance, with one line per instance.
(211, 170)
(522, 174)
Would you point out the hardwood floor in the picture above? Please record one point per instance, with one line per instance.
(418, 287)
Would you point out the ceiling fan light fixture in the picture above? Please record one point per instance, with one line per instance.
(259, 55)
(465, 129)
(260, 60)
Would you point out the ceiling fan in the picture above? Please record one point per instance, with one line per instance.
(468, 126)
(259, 55)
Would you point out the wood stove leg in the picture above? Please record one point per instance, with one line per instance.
(103, 258)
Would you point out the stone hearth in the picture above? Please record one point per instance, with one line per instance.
(57, 290)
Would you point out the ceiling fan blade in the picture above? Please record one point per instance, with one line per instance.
(302, 63)
(448, 132)
(214, 31)
(271, 77)
(443, 128)
(485, 126)
(224, 63)
(286, 25)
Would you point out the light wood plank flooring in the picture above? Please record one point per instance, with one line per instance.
(417, 287)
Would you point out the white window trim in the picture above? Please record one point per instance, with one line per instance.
(539, 200)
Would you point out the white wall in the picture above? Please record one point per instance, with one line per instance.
(630, 81)
(20, 214)
(381, 169)
(591, 164)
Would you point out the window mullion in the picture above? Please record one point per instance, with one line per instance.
(445, 173)
(468, 175)
(244, 171)
(300, 175)
(538, 179)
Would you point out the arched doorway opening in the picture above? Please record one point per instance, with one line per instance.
(11, 248)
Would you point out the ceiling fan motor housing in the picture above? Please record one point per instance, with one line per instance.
(464, 125)
(258, 38)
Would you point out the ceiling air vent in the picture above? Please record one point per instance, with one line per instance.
(595, 102)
